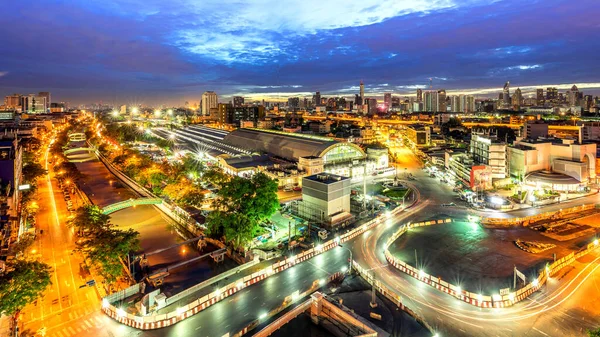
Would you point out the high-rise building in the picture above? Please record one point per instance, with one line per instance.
(238, 101)
(293, 103)
(517, 99)
(387, 100)
(539, 99)
(12, 101)
(430, 103)
(419, 95)
(362, 91)
(455, 103)
(317, 99)
(573, 96)
(551, 94)
(371, 106)
(209, 101)
(33, 104)
(441, 104)
(506, 95)
(47, 96)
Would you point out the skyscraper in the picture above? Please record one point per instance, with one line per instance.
(430, 103)
(517, 99)
(317, 99)
(293, 103)
(238, 101)
(209, 101)
(573, 97)
(47, 96)
(539, 97)
(387, 100)
(506, 95)
(455, 103)
(551, 94)
(441, 104)
(362, 96)
(419, 95)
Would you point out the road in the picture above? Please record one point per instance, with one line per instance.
(563, 308)
(65, 309)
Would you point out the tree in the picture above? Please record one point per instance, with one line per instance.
(22, 284)
(241, 205)
(25, 241)
(239, 230)
(216, 176)
(90, 220)
(32, 171)
(108, 248)
(594, 333)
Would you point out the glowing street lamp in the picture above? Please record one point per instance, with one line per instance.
(157, 112)
(170, 112)
(134, 110)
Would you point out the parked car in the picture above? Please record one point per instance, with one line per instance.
(297, 188)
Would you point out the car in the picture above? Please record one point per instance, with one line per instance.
(448, 204)
(287, 189)
(297, 188)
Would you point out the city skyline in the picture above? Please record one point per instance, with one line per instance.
(151, 52)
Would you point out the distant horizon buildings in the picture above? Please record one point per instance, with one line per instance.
(210, 100)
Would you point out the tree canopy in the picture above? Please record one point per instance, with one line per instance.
(240, 206)
(594, 333)
(22, 284)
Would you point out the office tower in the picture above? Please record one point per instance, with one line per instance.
(573, 97)
(506, 95)
(431, 101)
(12, 101)
(387, 101)
(47, 96)
(441, 105)
(209, 101)
(238, 101)
(539, 97)
(419, 95)
(293, 103)
(357, 100)
(317, 99)
(455, 103)
(123, 109)
(33, 104)
(362, 91)
(551, 94)
(517, 99)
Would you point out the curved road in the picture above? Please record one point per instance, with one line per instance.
(562, 308)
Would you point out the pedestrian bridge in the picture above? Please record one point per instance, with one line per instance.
(76, 137)
(80, 154)
(130, 203)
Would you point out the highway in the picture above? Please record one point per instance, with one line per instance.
(563, 308)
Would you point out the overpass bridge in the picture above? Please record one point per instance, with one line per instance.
(130, 203)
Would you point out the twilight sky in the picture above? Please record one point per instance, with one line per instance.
(158, 51)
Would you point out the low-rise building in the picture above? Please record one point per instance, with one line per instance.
(325, 200)
(489, 151)
(552, 163)
(420, 135)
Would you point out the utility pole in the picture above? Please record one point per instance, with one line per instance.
(416, 264)
(373, 303)
(289, 234)
(365, 187)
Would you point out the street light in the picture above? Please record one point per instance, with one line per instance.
(349, 261)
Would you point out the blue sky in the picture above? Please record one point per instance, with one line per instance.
(156, 51)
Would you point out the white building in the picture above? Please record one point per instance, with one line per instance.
(210, 100)
(564, 165)
(325, 199)
(488, 151)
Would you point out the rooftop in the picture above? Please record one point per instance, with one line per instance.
(326, 178)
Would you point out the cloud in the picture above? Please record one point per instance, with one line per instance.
(260, 31)
(3, 73)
